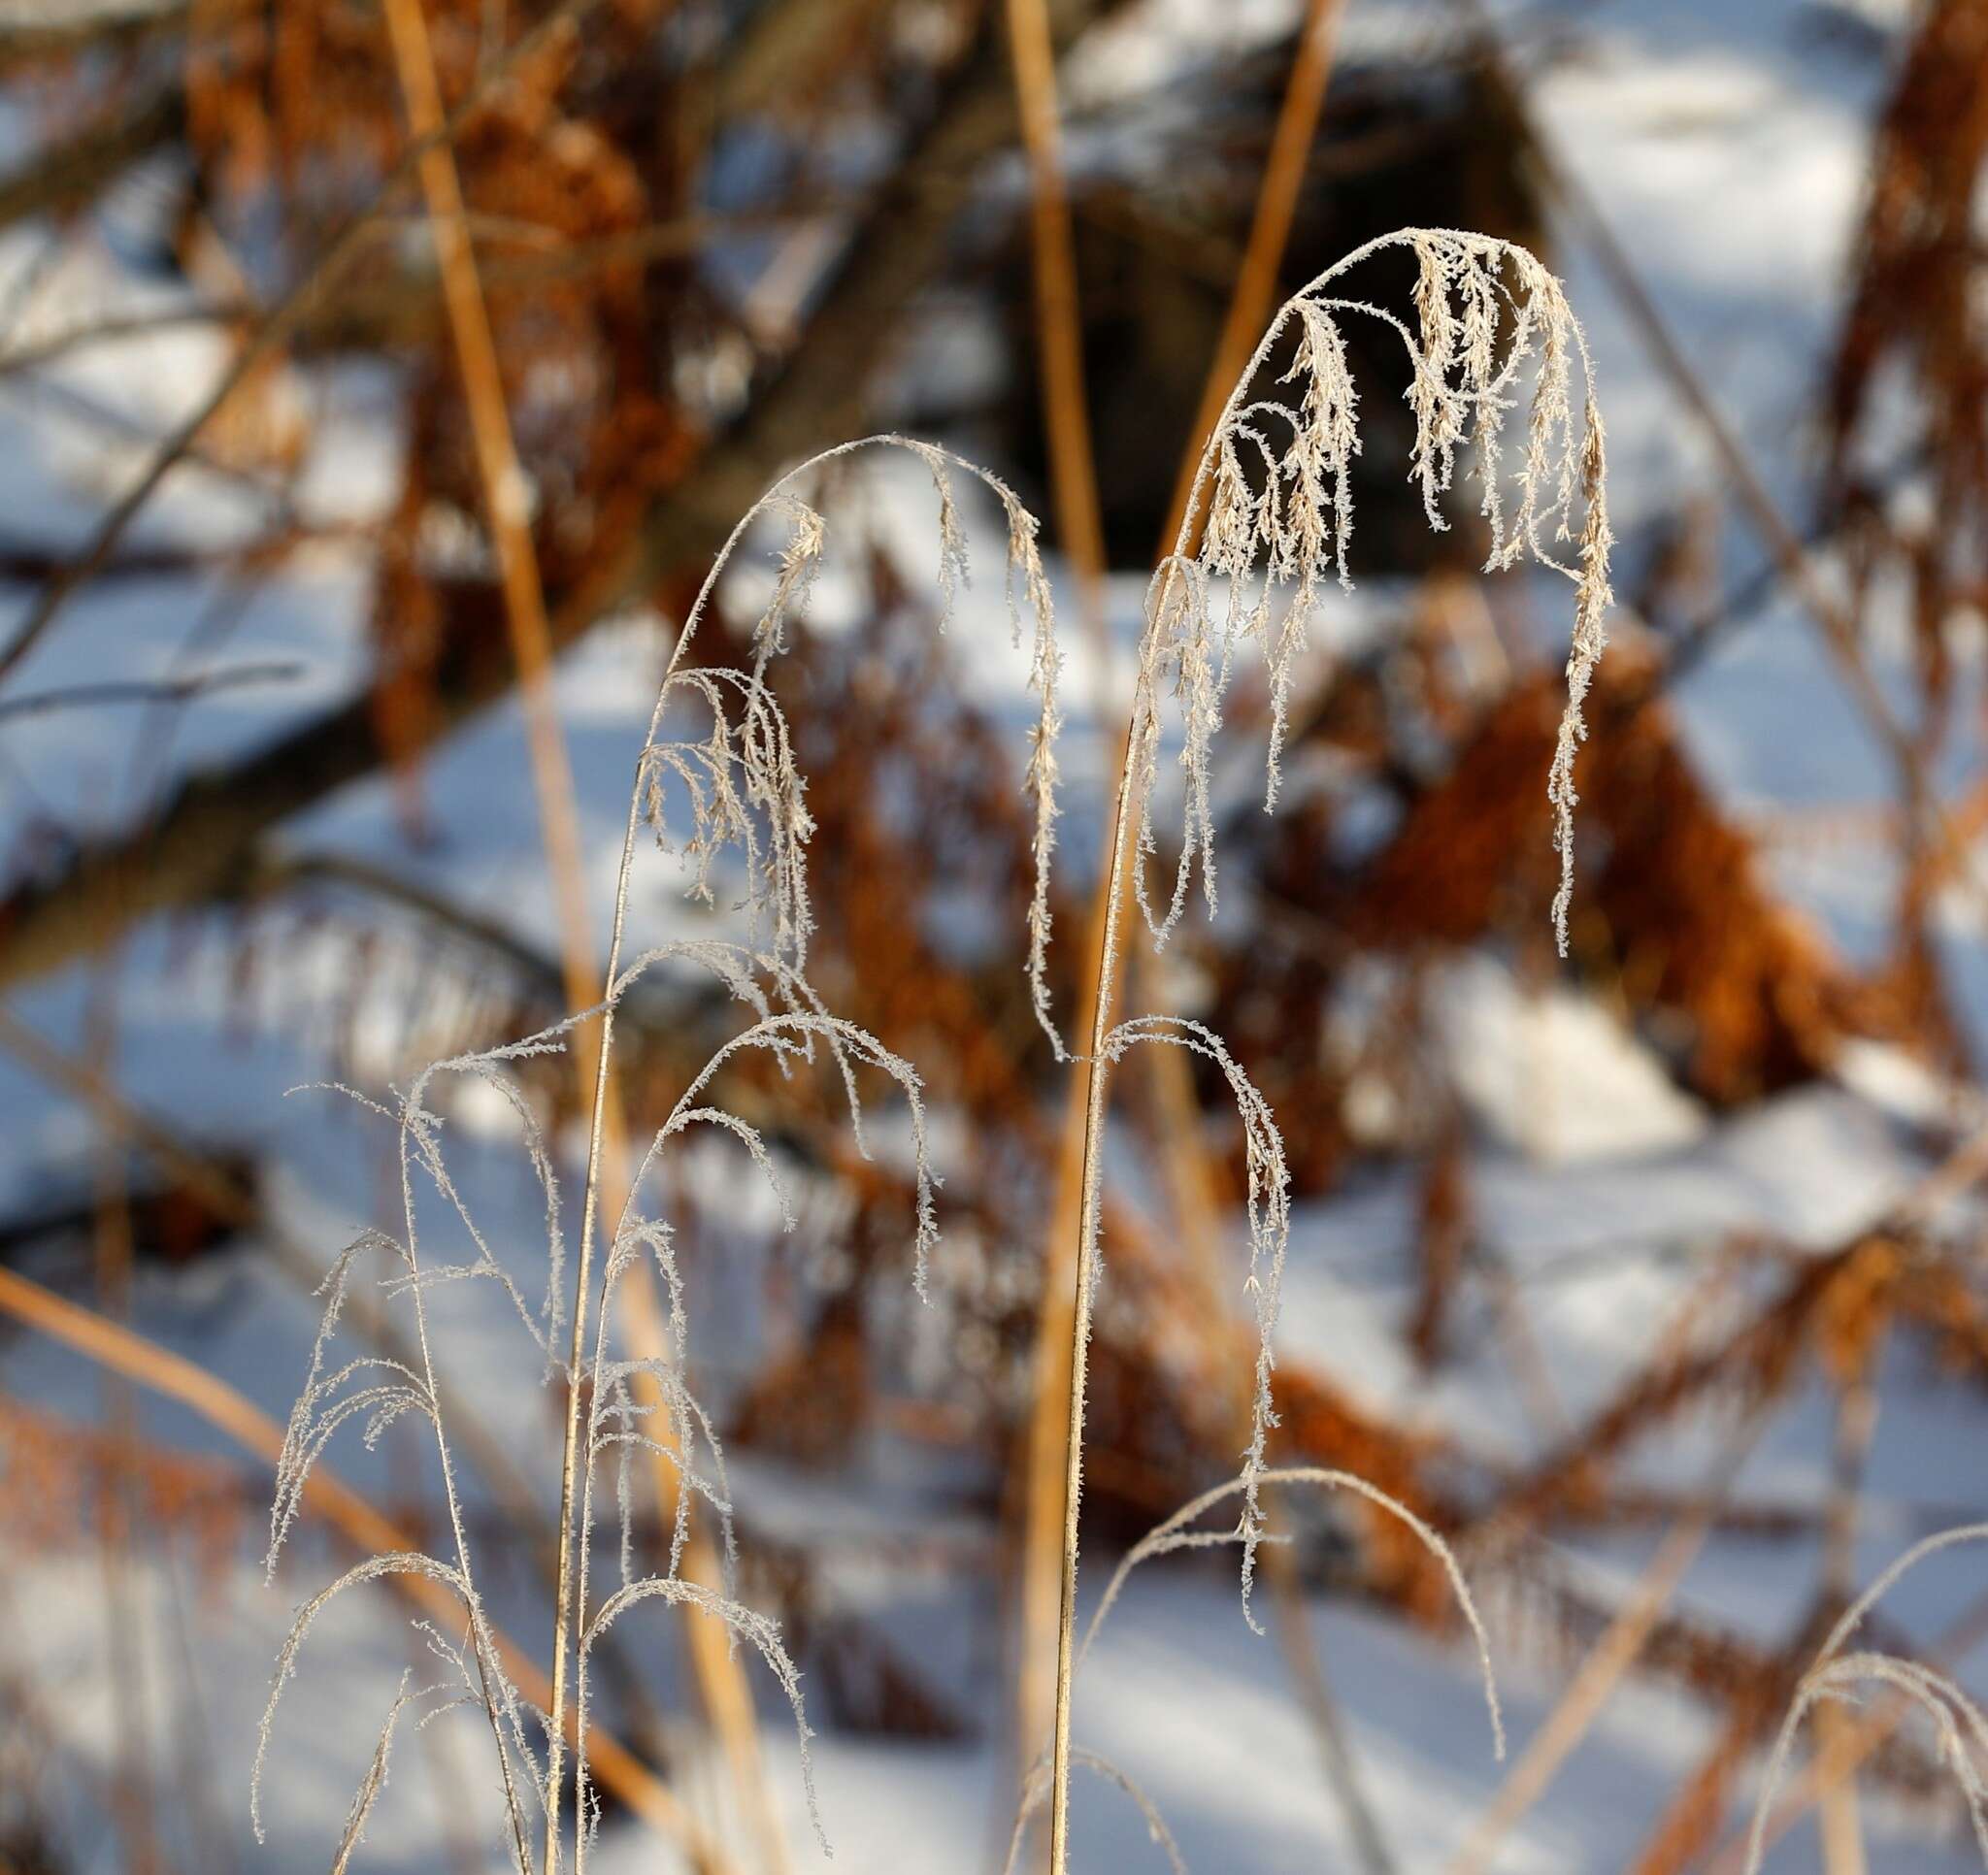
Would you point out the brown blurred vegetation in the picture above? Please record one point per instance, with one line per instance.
(652, 393)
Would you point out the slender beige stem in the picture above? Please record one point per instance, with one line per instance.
(719, 1674)
(1074, 485)
(1094, 1079)
(1269, 232)
(506, 492)
(1042, 1571)
(1251, 307)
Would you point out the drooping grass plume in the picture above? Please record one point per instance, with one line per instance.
(491, 1687)
(1266, 1206)
(746, 795)
(1178, 1533)
(1269, 512)
(327, 1402)
(1960, 1729)
(1272, 507)
(1959, 1724)
(1036, 1793)
(789, 1029)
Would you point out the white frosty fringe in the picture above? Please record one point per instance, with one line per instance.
(1832, 1675)
(1272, 509)
(744, 792)
(1036, 1793)
(1267, 1205)
(495, 1694)
(760, 1632)
(1175, 1534)
(791, 1022)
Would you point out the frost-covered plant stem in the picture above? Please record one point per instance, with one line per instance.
(1297, 530)
(570, 1452)
(489, 1673)
(1095, 1068)
(786, 892)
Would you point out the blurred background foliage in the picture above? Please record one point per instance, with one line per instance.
(714, 238)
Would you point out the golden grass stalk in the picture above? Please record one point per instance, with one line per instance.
(1049, 1539)
(720, 1676)
(1066, 407)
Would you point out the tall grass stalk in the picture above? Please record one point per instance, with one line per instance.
(1268, 525)
(1049, 1455)
(720, 1676)
(1287, 531)
(1074, 492)
(776, 854)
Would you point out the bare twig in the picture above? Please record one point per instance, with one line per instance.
(71, 174)
(95, 696)
(274, 332)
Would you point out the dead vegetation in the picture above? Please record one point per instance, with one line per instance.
(649, 397)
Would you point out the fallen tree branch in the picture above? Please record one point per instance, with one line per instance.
(200, 844)
(72, 174)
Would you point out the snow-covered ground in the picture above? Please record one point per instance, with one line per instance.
(1725, 142)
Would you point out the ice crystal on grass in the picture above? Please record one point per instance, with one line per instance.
(1272, 511)
(1036, 1793)
(743, 791)
(1178, 1533)
(719, 783)
(1266, 1206)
